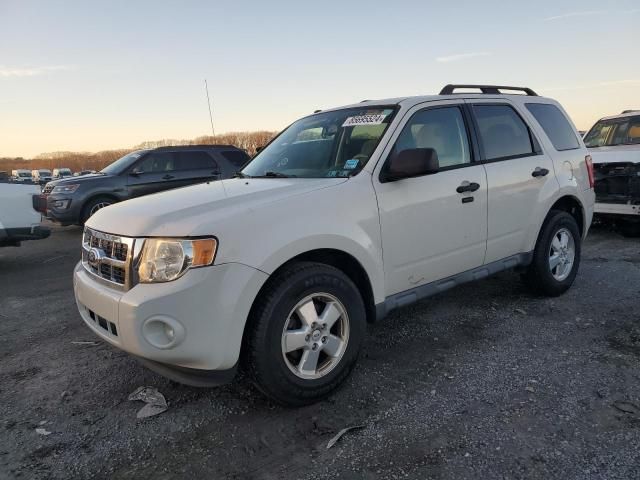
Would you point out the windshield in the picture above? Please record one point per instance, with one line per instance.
(120, 165)
(330, 144)
(24, 174)
(44, 172)
(616, 131)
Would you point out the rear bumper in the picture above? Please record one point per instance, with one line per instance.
(617, 209)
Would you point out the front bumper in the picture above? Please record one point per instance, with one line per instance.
(207, 309)
(65, 216)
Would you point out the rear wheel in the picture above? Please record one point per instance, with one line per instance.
(556, 257)
(305, 333)
(93, 205)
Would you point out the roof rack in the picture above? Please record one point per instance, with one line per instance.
(629, 111)
(186, 147)
(487, 89)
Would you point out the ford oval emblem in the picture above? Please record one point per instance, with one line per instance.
(94, 257)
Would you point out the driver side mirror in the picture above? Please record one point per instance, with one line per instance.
(135, 172)
(413, 162)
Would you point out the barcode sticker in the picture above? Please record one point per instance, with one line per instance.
(364, 120)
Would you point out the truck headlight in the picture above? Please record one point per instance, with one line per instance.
(65, 188)
(164, 260)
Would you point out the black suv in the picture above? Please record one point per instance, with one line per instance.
(73, 200)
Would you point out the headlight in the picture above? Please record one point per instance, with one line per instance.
(65, 188)
(164, 260)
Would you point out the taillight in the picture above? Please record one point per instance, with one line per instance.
(589, 163)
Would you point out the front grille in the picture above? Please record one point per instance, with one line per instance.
(47, 189)
(108, 257)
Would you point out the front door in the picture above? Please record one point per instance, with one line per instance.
(433, 226)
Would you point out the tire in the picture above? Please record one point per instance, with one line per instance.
(285, 377)
(540, 275)
(629, 229)
(93, 205)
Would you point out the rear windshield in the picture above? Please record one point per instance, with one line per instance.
(615, 131)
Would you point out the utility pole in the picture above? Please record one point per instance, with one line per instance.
(206, 89)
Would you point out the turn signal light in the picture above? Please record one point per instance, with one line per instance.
(203, 251)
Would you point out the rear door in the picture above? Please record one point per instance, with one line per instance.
(153, 173)
(433, 226)
(520, 177)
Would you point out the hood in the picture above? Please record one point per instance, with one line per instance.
(617, 153)
(78, 180)
(198, 209)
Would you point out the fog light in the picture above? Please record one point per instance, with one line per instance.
(163, 332)
(61, 204)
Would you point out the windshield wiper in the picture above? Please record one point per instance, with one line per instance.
(276, 175)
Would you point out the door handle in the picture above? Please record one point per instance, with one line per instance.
(467, 187)
(539, 172)
(168, 177)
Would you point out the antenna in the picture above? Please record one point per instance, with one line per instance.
(206, 89)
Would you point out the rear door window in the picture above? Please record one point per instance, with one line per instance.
(195, 160)
(503, 134)
(555, 125)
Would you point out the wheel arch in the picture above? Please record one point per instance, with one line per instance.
(573, 206)
(95, 196)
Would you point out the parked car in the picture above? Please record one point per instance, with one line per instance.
(41, 176)
(4, 177)
(74, 200)
(347, 215)
(18, 219)
(21, 175)
(59, 173)
(614, 144)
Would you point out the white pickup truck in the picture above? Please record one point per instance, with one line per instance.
(347, 215)
(614, 144)
(18, 219)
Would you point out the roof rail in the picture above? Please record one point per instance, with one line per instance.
(487, 89)
(629, 111)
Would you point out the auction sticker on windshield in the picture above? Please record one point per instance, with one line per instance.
(364, 120)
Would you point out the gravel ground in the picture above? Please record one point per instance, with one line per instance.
(485, 381)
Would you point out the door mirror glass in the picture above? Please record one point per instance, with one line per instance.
(135, 171)
(412, 162)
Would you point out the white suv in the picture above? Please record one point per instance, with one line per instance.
(346, 215)
(614, 144)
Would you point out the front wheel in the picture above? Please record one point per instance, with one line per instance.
(93, 206)
(305, 333)
(556, 257)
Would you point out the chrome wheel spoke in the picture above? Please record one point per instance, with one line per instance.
(564, 239)
(555, 244)
(330, 314)
(312, 344)
(554, 260)
(309, 362)
(307, 313)
(333, 347)
(295, 340)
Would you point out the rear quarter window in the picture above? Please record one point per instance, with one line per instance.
(236, 158)
(555, 125)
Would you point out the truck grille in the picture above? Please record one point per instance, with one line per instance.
(108, 257)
